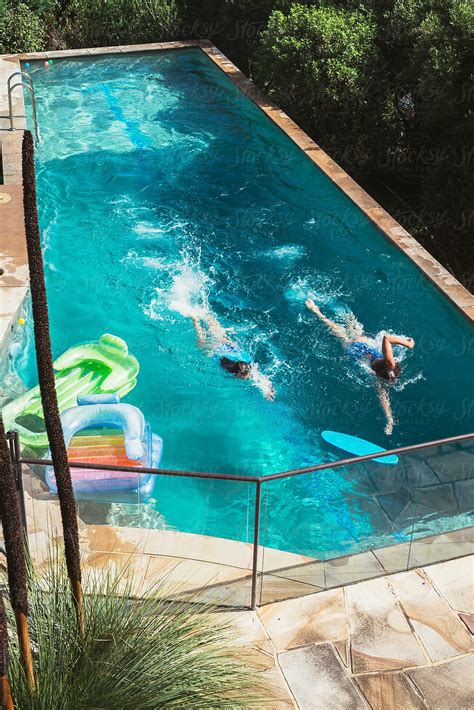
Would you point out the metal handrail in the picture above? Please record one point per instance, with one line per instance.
(259, 479)
(31, 89)
(18, 461)
(24, 74)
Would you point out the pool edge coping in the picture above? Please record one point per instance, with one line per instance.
(437, 274)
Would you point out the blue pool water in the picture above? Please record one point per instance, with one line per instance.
(162, 188)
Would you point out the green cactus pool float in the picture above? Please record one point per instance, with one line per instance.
(93, 368)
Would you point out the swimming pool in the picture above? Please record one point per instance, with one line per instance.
(160, 186)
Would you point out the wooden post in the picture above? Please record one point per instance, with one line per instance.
(25, 646)
(6, 693)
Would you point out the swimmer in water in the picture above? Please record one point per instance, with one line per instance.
(383, 364)
(213, 338)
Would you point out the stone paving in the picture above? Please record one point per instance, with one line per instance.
(399, 642)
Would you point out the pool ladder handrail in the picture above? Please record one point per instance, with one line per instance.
(28, 84)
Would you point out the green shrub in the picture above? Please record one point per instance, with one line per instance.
(20, 29)
(233, 25)
(94, 23)
(146, 653)
(321, 64)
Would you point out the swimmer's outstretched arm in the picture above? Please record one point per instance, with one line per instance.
(387, 408)
(215, 328)
(263, 382)
(336, 329)
(388, 341)
(201, 334)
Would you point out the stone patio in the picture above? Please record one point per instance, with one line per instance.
(399, 642)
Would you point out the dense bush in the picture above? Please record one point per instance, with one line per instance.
(21, 30)
(387, 88)
(428, 47)
(233, 25)
(93, 23)
(321, 64)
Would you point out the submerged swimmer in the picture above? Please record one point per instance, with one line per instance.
(382, 363)
(213, 337)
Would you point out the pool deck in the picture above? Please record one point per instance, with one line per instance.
(402, 641)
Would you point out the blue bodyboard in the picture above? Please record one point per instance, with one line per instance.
(357, 447)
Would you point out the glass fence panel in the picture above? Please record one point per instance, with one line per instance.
(197, 533)
(365, 520)
(444, 499)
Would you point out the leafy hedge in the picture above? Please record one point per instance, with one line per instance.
(95, 23)
(21, 30)
(321, 64)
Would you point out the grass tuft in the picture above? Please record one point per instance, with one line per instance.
(155, 652)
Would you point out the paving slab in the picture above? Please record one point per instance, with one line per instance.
(274, 589)
(449, 686)
(318, 679)
(297, 622)
(445, 546)
(346, 570)
(468, 619)
(279, 687)
(390, 691)
(381, 638)
(454, 580)
(442, 633)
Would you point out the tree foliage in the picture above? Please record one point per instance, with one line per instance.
(21, 30)
(95, 23)
(321, 64)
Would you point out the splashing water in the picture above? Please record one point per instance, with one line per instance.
(188, 292)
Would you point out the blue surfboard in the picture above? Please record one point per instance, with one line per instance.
(357, 447)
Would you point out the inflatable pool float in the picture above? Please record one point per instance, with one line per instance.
(94, 368)
(102, 430)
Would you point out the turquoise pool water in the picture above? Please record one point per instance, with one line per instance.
(161, 187)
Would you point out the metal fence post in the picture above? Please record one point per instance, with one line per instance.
(15, 456)
(256, 535)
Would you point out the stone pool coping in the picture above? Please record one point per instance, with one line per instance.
(12, 249)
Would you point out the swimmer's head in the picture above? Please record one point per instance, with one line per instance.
(382, 369)
(239, 368)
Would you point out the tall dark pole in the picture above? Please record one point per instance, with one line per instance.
(16, 559)
(44, 361)
(5, 690)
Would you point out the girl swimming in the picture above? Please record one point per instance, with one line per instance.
(383, 364)
(213, 338)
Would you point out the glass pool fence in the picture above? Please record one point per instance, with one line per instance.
(388, 518)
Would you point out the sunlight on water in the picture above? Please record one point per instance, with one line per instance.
(164, 193)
